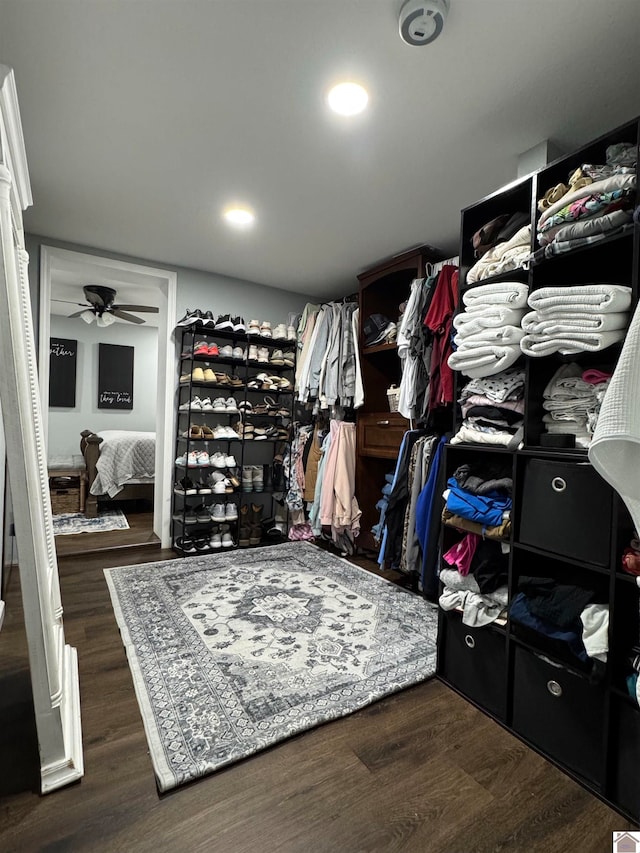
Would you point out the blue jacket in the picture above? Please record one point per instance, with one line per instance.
(484, 509)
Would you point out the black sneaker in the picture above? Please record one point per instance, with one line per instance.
(190, 318)
(186, 545)
(203, 487)
(202, 544)
(203, 514)
(224, 322)
(185, 487)
(238, 324)
(208, 319)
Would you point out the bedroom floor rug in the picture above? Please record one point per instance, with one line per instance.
(232, 653)
(76, 522)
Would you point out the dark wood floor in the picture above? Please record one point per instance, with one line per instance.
(419, 771)
(139, 534)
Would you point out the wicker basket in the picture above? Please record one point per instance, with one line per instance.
(393, 395)
(65, 496)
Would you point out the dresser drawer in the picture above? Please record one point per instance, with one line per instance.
(560, 713)
(566, 508)
(474, 662)
(380, 434)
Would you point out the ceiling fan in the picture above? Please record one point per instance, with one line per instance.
(103, 309)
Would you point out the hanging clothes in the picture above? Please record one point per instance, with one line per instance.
(438, 320)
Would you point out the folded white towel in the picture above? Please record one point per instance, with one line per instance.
(468, 435)
(539, 345)
(583, 299)
(502, 335)
(558, 323)
(511, 294)
(484, 360)
(504, 256)
(615, 449)
(493, 316)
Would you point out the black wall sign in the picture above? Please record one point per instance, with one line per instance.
(115, 377)
(63, 357)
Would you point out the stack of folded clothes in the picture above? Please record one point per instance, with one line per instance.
(492, 409)
(488, 331)
(479, 502)
(500, 245)
(584, 318)
(562, 619)
(597, 203)
(572, 401)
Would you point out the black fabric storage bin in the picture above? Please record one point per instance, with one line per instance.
(566, 509)
(474, 662)
(560, 713)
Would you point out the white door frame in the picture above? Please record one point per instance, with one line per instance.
(165, 410)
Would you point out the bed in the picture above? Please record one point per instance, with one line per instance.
(120, 466)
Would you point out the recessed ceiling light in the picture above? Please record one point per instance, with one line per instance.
(348, 99)
(241, 217)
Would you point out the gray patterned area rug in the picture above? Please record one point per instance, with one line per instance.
(234, 652)
(75, 522)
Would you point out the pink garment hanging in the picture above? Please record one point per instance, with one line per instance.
(462, 553)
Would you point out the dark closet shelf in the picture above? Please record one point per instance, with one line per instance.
(624, 576)
(570, 454)
(481, 448)
(575, 669)
(552, 555)
(574, 253)
(518, 274)
(378, 348)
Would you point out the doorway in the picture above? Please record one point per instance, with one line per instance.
(63, 274)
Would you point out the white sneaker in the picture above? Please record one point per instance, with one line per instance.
(219, 432)
(220, 488)
(194, 405)
(231, 512)
(230, 405)
(238, 353)
(218, 512)
(219, 405)
(226, 352)
(181, 461)
(289, 359)
(216, 541)
(280, 332)
(265, 329)
(230, 461)
(203, 459)
(227, 541)
(263, 355)
(217, 460)
(206, 405)
(292, 335)
(253, 328)
(230, 433)
(253, 353)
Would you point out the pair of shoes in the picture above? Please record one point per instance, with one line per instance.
(224, 512)
(227, 323)
(256, 328)
(194, 459)
(221, 541)
(286, 359)
(270, 383)
(201, 348)
(197, 405)
(232, 352)
(220, 483)
(192, 318)
(252, 478)
(259, 354)
(222, 405)
(198, 432)
(251, 523)
(263, 433)
(225, 433)
(222, 460)
(186, 545)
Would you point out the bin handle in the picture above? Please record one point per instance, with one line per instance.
(469, 640)
(554, 688)
(558, 484)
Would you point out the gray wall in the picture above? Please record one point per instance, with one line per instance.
(65, 425)
(196, 289)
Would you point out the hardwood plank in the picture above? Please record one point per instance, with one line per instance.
(422, 770)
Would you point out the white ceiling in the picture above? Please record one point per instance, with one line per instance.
(143, 118)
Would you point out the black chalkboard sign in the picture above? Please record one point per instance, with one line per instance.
(115, 377)
(63, 357)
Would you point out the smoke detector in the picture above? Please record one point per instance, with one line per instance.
(421, 21)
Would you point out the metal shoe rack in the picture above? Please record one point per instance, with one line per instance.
(194, 535)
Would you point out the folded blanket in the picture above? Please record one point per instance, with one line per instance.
(539, 345)
(508, 385)
(467, 434)
(552, 324)
(587, 207)
(502, 335)
(484, 360)
(614, 182)
(490, 317)
(598, 223)
(585, 298)
(511, 294)
(502, 257)
(615, 449)
(515, 406)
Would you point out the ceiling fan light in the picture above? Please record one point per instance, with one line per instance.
(106, 320)
(88, 316)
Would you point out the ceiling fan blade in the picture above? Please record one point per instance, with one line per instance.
(146, 309)
(78, 313)
(124, 316)
(68, 302)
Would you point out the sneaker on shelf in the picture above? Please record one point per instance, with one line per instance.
(201, 348)
(253, 353)
(185, 487)
(276, 357)
(247, 478)
(219, 405)
(280, 332)
(202, 544)
(230, 405)
(212, 350)
(226, 352)
(239, 324)
(231, 511)
(257, 476)
(265, 329)
(289, 359)
(230, 461)
(263, 355)
(292, 335)
(203, 514)
(218, 512)
(217, 460)
(189, 404)
(215, 541)
(253, 327)
(208, 319)
(238, 353)
(202, 459)
(181, 461)
(227, 540)
(190, 517)
(209, 376)
(219, 432)
(230, 433)
(190, 318)
(203, 487)
(224, 323)
(222, 487)
(206, 405)
(186, 544)
(197, 374)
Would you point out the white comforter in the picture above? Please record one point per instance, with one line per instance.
(124, 456)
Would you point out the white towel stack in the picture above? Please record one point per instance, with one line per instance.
(584, 318)
(488, 331)
(572, 405)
